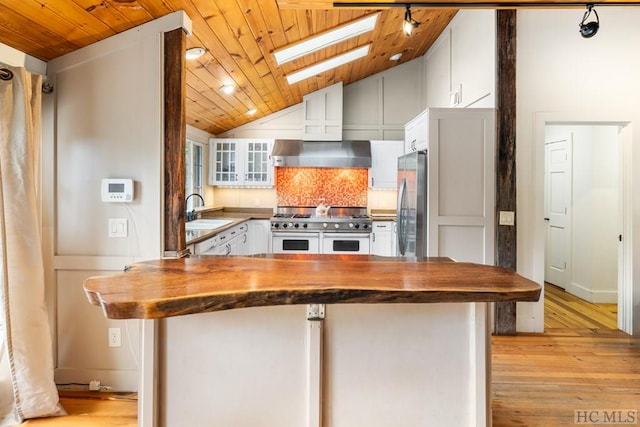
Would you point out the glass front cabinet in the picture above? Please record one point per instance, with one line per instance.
(240, 162)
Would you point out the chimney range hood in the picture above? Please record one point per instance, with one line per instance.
(321, 154)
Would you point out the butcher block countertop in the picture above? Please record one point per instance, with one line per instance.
(174, 287)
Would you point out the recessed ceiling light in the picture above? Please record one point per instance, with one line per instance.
(251, 111)
(227, 89)
(195, 52)
(329, 64)
(395, 57)
(326, 39)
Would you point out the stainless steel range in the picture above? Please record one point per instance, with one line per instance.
(342, 231)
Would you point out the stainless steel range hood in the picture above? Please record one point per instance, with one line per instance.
(321, 154)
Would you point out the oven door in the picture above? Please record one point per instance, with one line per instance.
(346, 243)
(285, 242)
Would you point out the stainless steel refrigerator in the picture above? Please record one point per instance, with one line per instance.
(412, 209)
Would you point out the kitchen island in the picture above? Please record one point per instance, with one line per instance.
(249, 340)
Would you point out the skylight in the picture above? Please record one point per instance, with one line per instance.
(329, 64)
(326, 39)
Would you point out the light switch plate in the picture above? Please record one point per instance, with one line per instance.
(118, 227)
(507, 218)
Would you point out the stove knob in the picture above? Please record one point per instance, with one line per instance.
(351, 225)
(276, 225)
(284, 225)
(290, 224)
(336, 225)
(297, 225)
(365, 226)
(304, 225)
(324, 224)
(357, 225)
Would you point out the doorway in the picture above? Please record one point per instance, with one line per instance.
(583, 210)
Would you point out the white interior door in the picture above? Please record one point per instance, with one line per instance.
(557, 211)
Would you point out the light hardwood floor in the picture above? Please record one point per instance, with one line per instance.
(581, 362)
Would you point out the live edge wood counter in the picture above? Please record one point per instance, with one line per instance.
(174, 287)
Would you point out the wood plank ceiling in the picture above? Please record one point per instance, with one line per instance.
(239, 37)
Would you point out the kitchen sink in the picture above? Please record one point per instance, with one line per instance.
(206, 224)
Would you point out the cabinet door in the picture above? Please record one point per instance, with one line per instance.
(462, 184)
(259, 237)
(224, 162)
(258, 168)
(416, 133)
(322, 114)
(383, 173)
(238, 246)
(382, 243)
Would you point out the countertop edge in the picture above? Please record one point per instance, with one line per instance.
(199, 290)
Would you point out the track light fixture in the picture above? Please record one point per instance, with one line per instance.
(589, 29)
(409, 24)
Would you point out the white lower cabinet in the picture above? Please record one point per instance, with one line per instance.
(383, 238)
(259, 237)
(233, 241)
(249, 238)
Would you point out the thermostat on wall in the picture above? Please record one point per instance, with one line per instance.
(117, 190)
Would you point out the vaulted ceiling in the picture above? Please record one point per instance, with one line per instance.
(239, 37)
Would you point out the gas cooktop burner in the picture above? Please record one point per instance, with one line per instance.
(342, 221)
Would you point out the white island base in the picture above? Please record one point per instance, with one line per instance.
(373, 365)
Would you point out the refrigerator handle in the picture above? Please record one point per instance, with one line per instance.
(400, 220)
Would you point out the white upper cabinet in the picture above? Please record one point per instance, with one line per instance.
(416, 133)
(383, 173)
(240, 162)
(323, 114)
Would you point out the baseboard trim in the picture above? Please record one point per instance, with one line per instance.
(597, 297)
(119, 380)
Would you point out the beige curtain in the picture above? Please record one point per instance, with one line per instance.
(27, 387)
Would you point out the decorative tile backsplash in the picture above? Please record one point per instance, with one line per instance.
(308, 186)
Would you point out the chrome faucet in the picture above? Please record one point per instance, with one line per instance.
(190, 216)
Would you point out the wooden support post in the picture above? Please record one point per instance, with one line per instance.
(175, 129)
(505, 312)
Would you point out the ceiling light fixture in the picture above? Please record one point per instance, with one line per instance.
(329, 64)
(251, 111)
(227, 89)
(409, 24)
(589, 29)
(326, 39)
(194, 53)
(395, 57)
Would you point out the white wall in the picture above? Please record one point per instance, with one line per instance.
(373, 108)
(103, 120)
(562, 77)
(595, 208)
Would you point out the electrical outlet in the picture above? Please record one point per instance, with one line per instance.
(115, 337)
